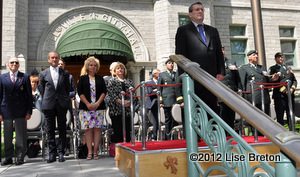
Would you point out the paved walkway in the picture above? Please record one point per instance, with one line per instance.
(35, 167)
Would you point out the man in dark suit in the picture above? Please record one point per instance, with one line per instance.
(201, 44)
(55, 87)
(231, 80)
(169, 95)
(16, 105)
(280, 94)
(152, 101)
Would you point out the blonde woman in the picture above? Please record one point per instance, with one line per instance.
(119, 83)
(91, 89)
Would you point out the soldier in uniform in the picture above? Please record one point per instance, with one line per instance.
(280, 94)
(258, 73)
(232, 80)
(169, 95)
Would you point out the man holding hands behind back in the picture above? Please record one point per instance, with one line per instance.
(16, 104)
(54, 87)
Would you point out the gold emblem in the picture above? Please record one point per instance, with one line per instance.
(171, 162)
(22, 88)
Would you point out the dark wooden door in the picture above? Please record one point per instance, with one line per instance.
(75, 69)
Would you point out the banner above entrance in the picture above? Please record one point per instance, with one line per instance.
(94, 37)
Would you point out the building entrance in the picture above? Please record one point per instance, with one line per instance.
(74, 64)
(93, 38)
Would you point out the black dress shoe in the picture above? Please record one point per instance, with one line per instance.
(61, 158)
(19, 162)
(7, 162)
(52, 158)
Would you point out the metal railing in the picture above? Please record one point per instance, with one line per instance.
(212, 131)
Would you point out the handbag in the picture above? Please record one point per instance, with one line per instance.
(112, 149)
(82, 151)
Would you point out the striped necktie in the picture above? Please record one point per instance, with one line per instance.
(13, 78)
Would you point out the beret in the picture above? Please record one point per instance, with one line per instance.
(278, 54)
(252, 52)
(169, 60)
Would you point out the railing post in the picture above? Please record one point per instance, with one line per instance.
(123, 117)
(285, 167)
(158, 116)
(262, 98)
(242, 119)
(191, 136)
(292, 115)
(252, 82)
(143, 86)
(132, 117)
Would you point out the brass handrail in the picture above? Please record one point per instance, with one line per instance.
(286, 141)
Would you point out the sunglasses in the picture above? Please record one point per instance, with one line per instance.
(16, 62)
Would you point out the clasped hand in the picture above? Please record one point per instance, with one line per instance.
(126, 103)
(275, 77)
(92, 107)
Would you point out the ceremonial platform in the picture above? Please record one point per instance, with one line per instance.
(168, 158)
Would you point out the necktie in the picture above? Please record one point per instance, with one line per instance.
(13, 78)
(202, 33)
(55, 77)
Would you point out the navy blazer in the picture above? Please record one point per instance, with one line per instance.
(16, 99)
(83, 87)
(50, 94)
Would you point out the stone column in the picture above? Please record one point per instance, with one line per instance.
(135, 71)
(15, 28)
(23, 64)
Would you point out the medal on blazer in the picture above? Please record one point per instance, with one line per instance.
(265, 73)
(21, 88)
(166, 83)
(232, 67)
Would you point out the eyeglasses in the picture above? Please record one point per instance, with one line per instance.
(16, 62)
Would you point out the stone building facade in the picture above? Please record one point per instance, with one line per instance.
(32, 28)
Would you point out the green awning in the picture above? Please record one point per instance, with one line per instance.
(94, 37)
